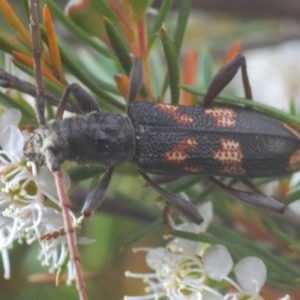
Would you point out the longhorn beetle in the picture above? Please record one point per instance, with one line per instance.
(211, 140)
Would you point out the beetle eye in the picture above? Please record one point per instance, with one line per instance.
(32, 150)
(29, 148)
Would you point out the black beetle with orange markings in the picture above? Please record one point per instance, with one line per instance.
(163, 139)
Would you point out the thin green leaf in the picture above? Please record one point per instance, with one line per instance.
(118, 44)
(229, 99)
(26, 8)
(160, 18)
(8, 45)
(98, 66)
(104, 9)
(78, 32)
(48, 84)
(63, 268)
(24, 108)
(276, 265)
(293, 196)
(79, 71)
(184, 12)
(172, 64)
(203, 237)
(140, 7)
(145, 231)
(205, 69)
(293, 107)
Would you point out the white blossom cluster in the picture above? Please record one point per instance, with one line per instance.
(29, 206)
(188, 270)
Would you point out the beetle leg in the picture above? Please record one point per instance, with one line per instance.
(250, 184)
(224, 76)
(253, 187)
(256, 199)
(185, 207)
(86, 103)
(95, 197)
(37, 53)
(136, 79)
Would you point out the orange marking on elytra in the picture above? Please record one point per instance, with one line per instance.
(173, 111)
(224, 117)
(177, 154)
(230, 156)
(294, 161)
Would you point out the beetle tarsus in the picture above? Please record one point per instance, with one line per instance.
(255, 198)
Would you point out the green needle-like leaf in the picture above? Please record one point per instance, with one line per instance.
(184, 12)
(22, 107)
(229, 99)
(78, 32)
(172, 64)
(118, 44)
(164, 9)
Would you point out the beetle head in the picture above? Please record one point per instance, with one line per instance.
(33, 148)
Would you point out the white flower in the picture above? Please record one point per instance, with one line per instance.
(199, 271)
(24, 215)
(176, 276)
(251, 275)
(178, 271)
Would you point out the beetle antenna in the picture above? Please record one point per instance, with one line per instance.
(51, 160)
(37, 53)
(70, 233)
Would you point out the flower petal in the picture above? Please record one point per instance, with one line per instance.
(295, 207)
(11, 117)
(217, 262)
(46, 180)
(206, 210)
(12, 142)
(251, 274)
